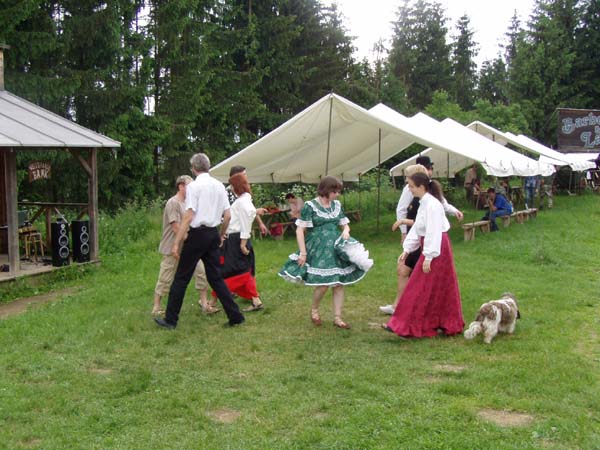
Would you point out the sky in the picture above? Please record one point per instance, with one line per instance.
(370, 20)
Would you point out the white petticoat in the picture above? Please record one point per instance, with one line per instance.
(353, 251)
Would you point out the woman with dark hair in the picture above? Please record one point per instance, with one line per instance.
(237, 252)
(320, 262)
(430, 303)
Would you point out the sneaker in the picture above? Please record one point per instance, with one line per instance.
(387, 309)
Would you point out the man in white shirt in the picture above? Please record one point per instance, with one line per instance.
(206, 205)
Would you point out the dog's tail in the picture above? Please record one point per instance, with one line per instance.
(474, 329)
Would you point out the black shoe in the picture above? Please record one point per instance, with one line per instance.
(231, 324)
(163, 323)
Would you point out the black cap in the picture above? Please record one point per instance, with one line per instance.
(425, 161)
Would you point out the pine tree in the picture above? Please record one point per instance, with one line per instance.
(420, 56)
(464, 69)
(586, 67)
(493, 80)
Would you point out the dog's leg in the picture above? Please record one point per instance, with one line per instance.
(511, 327)
(490, 329)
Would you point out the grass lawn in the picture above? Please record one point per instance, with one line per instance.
(94, 371)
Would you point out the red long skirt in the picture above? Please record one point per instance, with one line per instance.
(430, 301)
(243, 285)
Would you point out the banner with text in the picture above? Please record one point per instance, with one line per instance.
(578, 130)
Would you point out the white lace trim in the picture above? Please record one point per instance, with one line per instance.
(337, 207)
(304, 223)
(344, 221)
(326, 272)
(296, 279)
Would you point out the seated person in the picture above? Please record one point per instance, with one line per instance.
(295, 204)
(499, 206)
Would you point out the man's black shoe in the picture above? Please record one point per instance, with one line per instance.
(163, 323)
(233, 324)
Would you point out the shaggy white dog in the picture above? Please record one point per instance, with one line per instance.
(495, 316)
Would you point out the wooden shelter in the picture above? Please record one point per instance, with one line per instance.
(25, 126)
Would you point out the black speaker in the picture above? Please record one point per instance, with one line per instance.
(60, 244)
(80, 230)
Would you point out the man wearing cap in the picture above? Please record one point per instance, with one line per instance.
(401, 212)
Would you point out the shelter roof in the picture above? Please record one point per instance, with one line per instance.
(333, 136)
(24, 124)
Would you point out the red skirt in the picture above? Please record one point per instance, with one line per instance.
(243, 285)
(430, 301)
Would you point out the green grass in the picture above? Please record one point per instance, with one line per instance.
(93, 371)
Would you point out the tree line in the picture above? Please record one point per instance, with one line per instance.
(168, 77)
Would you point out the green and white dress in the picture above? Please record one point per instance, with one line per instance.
(324, 265)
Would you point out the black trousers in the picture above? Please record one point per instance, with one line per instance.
(201, 243)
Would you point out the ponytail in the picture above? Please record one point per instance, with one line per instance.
(431, 186)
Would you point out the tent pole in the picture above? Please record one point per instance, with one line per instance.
(329, 134)
(378, 180)
(359, 191)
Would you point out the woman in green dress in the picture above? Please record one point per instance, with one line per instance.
(317, 263)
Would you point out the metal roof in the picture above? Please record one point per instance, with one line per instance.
(24, 124)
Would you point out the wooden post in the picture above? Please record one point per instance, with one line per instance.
(93, 203)
(10, 180)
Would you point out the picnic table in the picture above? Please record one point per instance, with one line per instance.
(277, 221)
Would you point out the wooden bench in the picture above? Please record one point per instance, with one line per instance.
(519, 216)
(532, 212)
(469, 228)
(354, 215)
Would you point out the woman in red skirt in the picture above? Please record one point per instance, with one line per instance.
(237, 253)
(430, 303)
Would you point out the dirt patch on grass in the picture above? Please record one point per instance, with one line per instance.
(101, 371)
(31, 443)
(505, 418)
(22, 304)
(449, 368)
(224, 415)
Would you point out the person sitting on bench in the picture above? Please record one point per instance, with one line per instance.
(499, 206)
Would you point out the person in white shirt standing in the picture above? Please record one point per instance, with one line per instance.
(430, 303)
(237, 251)
(206, 206)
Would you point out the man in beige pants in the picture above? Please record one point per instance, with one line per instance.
(172, 217)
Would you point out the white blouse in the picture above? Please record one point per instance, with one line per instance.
(243, 213)
(430, 223)
(404, 202)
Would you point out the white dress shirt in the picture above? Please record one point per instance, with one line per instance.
(207, 197)
(430, 223)
(243, 213)
(404, 202)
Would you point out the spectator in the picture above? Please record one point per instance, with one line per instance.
(295, 204)
(499, 206)
(470, 177)
(530, 188)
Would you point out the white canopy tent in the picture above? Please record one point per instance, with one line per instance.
(586, 157)
(469, 147)
(546, 155)
(549, 155)
(333, 136)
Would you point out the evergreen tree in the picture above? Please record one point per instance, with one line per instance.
(541, 73)
(420, 56)
(586, 70)
(493, 82)
(464, 69)
(512, 37)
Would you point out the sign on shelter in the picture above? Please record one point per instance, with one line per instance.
(578, 130)
(39, 170)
